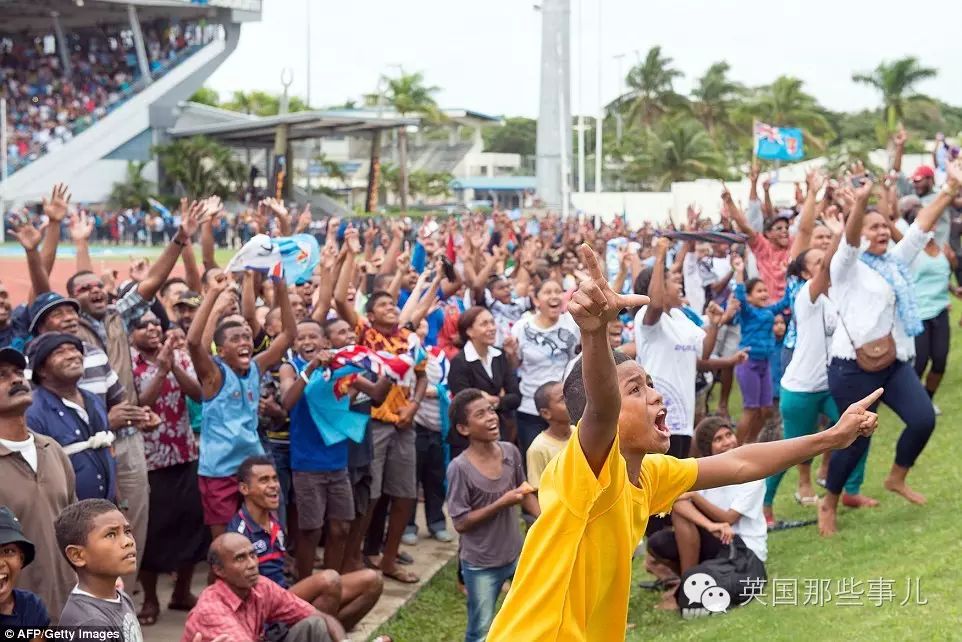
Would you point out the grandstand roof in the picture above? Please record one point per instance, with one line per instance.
(259, 132)
(34, 16)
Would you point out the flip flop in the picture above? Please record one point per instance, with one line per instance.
(404, 558)
(811, 500)
(400, 575)
(783, 525)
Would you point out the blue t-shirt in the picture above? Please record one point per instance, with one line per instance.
(268, 546)
(228, 433)
(28, 611)
(309, 453)
(757, 324)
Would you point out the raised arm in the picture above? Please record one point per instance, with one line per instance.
(160, 270)
(81, 227)
(656, 288)
(930, 213)
(806, 222)
(394, 249)
(191, 271)
(279, 345)
(859, 201)
(736, 213)
(248, 304)
(329, 268)
(823, 280)
(758, 461)
(344, 309)
(208, 373)
(30, 237)
(206, 239)
(593, 305)
(55, 209)
(899, 140)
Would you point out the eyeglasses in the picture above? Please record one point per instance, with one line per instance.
(143, 323)
(87, 287)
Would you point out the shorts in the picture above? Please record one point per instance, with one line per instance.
(663, 545)
(360, 478)
(324, 494)
(755, 380)
(220, 498)
(727, 340)
(394, 466)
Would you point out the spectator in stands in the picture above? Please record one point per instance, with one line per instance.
(36, 483)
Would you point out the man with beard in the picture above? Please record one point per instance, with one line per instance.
(36, 483)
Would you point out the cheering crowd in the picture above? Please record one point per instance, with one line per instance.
(153, 423)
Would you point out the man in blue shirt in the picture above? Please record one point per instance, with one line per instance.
(349, 597)
(76, 419)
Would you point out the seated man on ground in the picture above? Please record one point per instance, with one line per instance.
(239, 604)
(348, 596)
(705, 522)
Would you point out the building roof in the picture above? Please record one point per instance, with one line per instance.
(259, 132)
(495, 183)
(33, 17)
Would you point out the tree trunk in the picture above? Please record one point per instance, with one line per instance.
(374, 173)
(402, 149)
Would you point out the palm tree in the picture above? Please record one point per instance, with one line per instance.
(206, 96)
(896, 80)
(134, 190)
(785, 103)
(714, 98)
(651, 94)
(677, 149)
(200, 166)
(408, 94)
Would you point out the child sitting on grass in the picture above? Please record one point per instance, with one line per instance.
(97, 541)
(574, 575)
(550, 403)
(485, 486)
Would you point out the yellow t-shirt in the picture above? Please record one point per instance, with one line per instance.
(574, 574)
(542, 450)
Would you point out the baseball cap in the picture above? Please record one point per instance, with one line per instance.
(44, 304)
(12, 533)
(189, 298)
(922, 171)
(14, 357)
(41, 348)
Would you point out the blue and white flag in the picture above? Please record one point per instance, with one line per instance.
(778, 143)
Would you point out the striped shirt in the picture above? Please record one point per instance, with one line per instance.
(99, 377)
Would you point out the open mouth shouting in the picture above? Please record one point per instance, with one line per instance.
(660, 422)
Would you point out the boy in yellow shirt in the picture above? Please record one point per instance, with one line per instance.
(574, 575)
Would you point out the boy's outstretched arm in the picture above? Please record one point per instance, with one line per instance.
(593, 305)
(757, 461)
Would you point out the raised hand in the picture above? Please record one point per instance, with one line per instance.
(954, 171)
(194, 217)
(900, 137)
(834, 221)
(304, 219)
(165, 356)
(138, 269)
(55, 208)
(351, 240)
(29, 236)
(81, 227)
(275, 206)
(594, 304)
(856, 421)
(218, 284)
(814, 181)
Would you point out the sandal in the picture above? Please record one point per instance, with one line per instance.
(811, 500)
(148, 614)
(404, 558)
(400, 575)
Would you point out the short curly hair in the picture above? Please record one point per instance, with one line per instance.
(574, 387)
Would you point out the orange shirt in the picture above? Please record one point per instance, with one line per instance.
(397, 343)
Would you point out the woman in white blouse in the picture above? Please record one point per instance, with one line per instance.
(873, 291)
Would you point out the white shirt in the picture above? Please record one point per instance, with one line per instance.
(866, 301)
(746, 500)
(815, 324)
(669, 351)
(27, 449)
(545, 354)
(471, 354)
(694, 286)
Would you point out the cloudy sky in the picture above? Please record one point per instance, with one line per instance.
(485, 55)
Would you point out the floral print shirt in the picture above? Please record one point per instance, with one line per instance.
(173, 442)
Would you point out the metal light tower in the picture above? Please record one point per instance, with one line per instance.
(554, 114)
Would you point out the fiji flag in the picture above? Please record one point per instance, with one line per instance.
(332, 412)
(778, 143)
(295, 257)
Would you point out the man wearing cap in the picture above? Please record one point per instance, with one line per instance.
(76, 419)
(185, 308)
(18, 608)
(922, 184)
(36, 483)
(51, 312)
(772, 250)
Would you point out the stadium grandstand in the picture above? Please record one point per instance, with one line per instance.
(89, 85)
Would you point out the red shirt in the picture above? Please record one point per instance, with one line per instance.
(173, 442)
(772, 264)
(219, 610)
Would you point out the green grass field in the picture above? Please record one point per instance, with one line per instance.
(893, 542)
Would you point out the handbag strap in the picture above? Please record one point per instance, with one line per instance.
(841, 319)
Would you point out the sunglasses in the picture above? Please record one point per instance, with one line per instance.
(142, 324)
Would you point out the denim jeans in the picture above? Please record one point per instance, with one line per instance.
(483, 586)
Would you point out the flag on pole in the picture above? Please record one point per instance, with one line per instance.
(778, 143)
